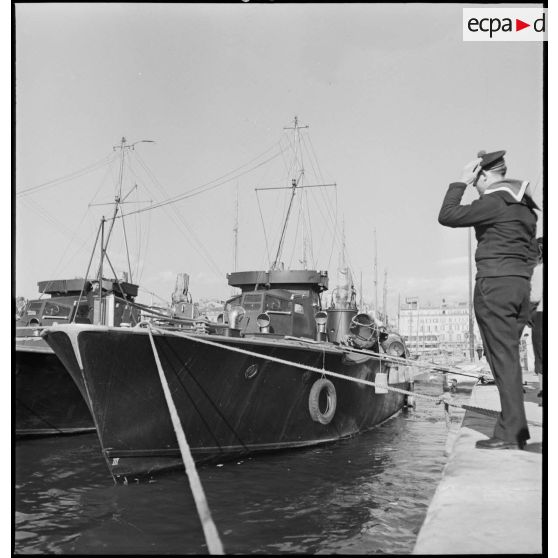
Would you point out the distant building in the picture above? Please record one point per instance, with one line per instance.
(210, 307)
(435, 330)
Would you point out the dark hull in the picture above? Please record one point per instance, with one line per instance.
(48, 401)
(223, 412)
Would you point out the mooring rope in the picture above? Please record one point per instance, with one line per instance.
(459, 405)
(426, 365)
(211, 534)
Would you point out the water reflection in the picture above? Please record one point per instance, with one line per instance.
(367, 495)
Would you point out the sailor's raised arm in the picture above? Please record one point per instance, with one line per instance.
(453, 214)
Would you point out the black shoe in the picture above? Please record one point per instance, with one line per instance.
(497, 443)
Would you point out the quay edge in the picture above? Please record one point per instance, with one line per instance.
(488, 501)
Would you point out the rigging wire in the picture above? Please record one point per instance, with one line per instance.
(140, 242)
(265, 233)
(178, 219)
(332, 212)
(295, 236)
(94, 166)
(152, 294)
(74, 235)
(309, 221)
(205, 187)
(327, 201)
(48, 217)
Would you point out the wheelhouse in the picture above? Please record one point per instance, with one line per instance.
(276, 303)
(77, 300)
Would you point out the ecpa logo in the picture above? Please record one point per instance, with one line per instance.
(504, 24)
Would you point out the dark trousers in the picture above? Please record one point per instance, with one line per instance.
(502, 310)
(537, 336)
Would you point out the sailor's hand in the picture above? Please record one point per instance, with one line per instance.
(471, 171)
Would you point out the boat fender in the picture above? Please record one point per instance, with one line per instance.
(314, 401)
(381, 381)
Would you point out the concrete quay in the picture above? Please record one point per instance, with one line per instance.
(488, 501)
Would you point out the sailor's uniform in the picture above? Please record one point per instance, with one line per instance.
(505, 228)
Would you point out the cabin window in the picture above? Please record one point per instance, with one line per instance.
(277, 304)
(252, 302)
(301, 292)
(34, 308)
(58, 310)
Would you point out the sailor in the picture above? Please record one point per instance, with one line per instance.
(505, 227)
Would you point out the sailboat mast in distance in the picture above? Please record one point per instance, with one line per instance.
(235, 233)
(375, 272)
(384, 298)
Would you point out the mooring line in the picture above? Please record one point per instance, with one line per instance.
(458, 405)
(426, 365)
(211, 534)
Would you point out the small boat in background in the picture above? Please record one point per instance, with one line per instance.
(48, 402)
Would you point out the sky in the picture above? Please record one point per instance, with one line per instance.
(396, 103)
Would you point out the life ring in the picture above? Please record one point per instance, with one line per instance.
(314, 401)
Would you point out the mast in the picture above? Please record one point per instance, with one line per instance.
(117, 196)
(375, 272)
(304, 261)
(235, 240)
(384, 297)
(235, 233)
(99, 317)
(295, 185)
(360, 305)
(118, 200)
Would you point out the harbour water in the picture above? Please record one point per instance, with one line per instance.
(365, 495)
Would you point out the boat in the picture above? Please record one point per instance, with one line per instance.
(47, 401)
(275, 371)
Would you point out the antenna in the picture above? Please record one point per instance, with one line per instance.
(360, 305)
(235, 233)
(375, 271)
(295, 185)
(384, 298)
(118, 200)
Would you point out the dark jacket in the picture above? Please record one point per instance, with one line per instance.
(504, 227)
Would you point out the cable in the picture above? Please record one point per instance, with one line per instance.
(104, 161)
(203, 188)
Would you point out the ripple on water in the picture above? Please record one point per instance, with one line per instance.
(365, 495)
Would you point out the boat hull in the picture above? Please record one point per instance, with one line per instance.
(229, 403)
(48, 401)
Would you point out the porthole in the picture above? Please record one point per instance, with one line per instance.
(251, 371)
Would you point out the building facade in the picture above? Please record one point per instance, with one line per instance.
(436, 330)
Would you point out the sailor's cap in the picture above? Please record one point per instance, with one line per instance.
(490, 160)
